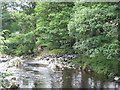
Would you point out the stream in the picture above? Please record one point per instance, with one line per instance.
(39, 75)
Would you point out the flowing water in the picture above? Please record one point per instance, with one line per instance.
(41, 76)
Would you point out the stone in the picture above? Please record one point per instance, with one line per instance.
(63, 69)
(13, 78)
(116, 78)
(47, 58)
(84, 69)
(14, 85)
(90, 70)
(15, 62)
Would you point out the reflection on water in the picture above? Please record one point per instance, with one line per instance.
(40, 76)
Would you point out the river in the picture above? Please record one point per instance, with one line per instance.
(41, 76)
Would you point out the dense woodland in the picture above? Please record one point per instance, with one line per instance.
(91, 30)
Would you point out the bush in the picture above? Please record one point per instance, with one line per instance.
(98, 64)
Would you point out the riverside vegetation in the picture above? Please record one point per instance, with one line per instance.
(90, 30)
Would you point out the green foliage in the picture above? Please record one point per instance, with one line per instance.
(58, 51)
(53, 22)
(20, 44)
(6, 16)
(2, 44)
(98, 64)
(94, 27)
(62, 51)
(23, 22)
(5, 33)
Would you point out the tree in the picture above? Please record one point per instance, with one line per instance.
(6, 17)
(52, 22)
(21, 38)
(94, 27)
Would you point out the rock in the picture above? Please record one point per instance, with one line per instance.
(13, 78)
(60, 79)
(73, 65)
(80, 68)
(60, 58)
(65, 66)
(90, 70)
(63, 69)
(47, 58)
(65, 60)
(69, 67)
(57, 76)
(15, 62)
(4, 59)
(57, 61)
(52, 66)
(3, 56)
(84, 69)
(116, 78)
(14, 85)
(57, 56)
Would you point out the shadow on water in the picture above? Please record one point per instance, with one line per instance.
(40, 76)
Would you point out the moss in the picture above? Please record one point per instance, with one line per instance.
(98, 64)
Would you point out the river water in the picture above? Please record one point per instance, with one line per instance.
(41, 76)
